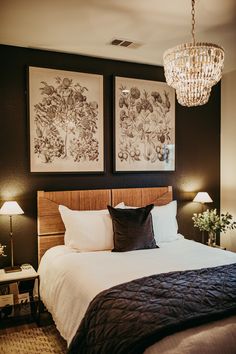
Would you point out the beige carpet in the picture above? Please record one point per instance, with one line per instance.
(33, 341)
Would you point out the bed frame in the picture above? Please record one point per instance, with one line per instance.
(50, 226)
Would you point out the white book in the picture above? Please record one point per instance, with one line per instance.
(13, 289)
(23, 304)
(23, 298)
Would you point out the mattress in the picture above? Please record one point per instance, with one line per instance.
(69, 280)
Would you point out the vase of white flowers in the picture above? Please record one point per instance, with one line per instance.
(211, 238)
(211, 222)
(2, 250)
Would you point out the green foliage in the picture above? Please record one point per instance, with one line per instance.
(209, 221)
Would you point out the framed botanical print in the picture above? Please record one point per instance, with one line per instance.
(144, 122)
(66, 121)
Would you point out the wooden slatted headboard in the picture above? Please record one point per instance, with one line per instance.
(50, 226)
(142, 196)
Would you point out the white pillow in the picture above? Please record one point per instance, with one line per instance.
(121, 205)
(164, 222)
(87, 230)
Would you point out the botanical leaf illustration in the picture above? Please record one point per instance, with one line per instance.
(145, 129)
(65, 122)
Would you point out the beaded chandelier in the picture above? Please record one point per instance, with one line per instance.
(193, 68)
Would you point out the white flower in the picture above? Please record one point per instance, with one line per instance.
(209, 220)
(2, 250)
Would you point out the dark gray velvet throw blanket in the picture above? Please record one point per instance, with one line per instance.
(129, 317)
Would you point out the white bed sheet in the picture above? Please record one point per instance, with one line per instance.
(69, 280)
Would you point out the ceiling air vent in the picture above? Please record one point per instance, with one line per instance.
(125, 43)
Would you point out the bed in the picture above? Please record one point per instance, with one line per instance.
(70, 280)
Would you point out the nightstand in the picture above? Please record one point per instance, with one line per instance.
(17, 300)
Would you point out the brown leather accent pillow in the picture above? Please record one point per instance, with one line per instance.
(132, 228)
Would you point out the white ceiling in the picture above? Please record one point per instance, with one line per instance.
(88, 26)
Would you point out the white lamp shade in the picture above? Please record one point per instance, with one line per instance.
(11, 208)
(202, 197)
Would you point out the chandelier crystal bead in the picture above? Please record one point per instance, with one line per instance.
(193, 68)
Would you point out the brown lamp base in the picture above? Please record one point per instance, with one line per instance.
(12, 269)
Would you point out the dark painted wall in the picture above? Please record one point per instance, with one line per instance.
(197, 146)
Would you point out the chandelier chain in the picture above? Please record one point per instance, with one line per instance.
(193, 21)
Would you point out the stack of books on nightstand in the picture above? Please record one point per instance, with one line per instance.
(6, 303)
(12, 302)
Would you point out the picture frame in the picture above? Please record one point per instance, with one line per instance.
(144, 125)
(66, 122)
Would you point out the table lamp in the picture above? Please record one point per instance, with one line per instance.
(11, 208)
(202, 197)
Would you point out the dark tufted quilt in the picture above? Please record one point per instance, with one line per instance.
(128, 318)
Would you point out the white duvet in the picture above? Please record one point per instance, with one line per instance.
(69, 280)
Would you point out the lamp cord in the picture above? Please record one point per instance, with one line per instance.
(193, 22)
